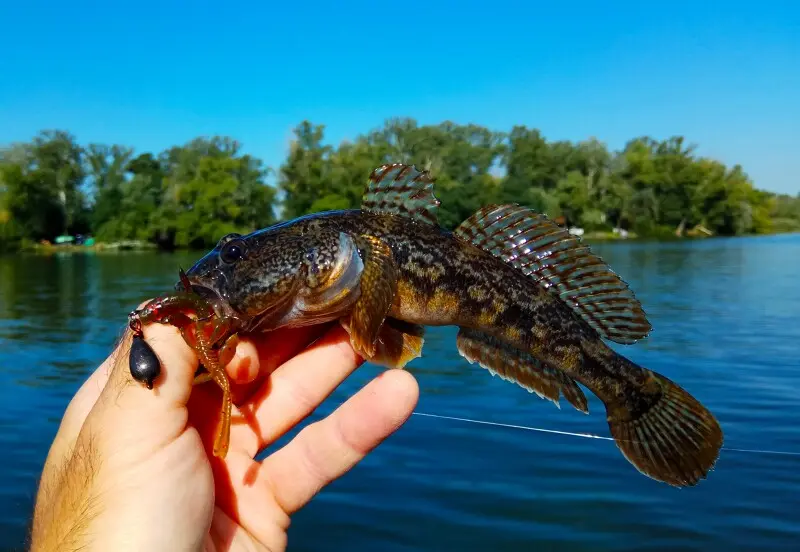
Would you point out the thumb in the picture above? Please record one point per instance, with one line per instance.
(132, 420)
(172, 386)
(123, 389)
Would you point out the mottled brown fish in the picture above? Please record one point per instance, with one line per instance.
(532, 302)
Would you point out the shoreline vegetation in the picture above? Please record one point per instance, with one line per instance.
(138, 245)
(53, 189)
(141, 246)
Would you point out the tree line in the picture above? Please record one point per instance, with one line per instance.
(189, 195)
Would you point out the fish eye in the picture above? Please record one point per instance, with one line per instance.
(232, 251)
(228, 238)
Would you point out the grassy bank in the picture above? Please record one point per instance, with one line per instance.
(95, 247)
(596, 236)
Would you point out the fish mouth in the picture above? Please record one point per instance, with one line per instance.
(205, 292)
(222, 308)
(206, 289)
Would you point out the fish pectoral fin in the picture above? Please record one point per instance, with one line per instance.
(561, 263)
(520, 367)
(378, 285)
(398, 343)
(399, 189)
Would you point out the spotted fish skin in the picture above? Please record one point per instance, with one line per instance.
(533, 305)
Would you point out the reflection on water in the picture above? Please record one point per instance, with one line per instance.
(725, 326)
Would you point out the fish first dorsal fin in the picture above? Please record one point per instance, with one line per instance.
(560, 262)
(399, 189)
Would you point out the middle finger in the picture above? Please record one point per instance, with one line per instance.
(258, 356)
(294, 390)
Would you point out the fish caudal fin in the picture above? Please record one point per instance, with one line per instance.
(676, 440)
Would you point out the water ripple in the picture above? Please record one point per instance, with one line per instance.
(725, 326)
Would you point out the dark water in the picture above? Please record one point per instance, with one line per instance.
(725, 314)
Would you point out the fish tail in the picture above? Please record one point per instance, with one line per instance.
(664, 431)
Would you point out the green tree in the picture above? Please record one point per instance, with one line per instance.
(106, 171)
(190, 195)
(137, 197)
(44, 186)
(32, 201)
(57, 158)
(210, 190)
(304, 177)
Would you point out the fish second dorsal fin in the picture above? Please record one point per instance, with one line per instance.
(561, 263)
(399, 189)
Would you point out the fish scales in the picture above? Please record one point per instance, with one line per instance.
(444, 281)
(533, 305)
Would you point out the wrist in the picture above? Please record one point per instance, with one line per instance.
(110, 497)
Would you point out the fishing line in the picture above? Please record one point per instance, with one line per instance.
(583, 435)
(571, 434)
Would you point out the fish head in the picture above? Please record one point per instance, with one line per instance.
(280, 278)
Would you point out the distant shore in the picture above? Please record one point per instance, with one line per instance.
(132, 245)
(138, 245)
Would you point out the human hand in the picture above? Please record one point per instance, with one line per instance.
(132, 468)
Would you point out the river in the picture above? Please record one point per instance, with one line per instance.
(726, 327)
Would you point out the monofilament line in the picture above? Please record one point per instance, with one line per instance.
(571, 434)
(584, 435)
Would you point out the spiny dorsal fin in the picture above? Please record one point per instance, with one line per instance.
(399, 189)
(519, 367)
(557, 260)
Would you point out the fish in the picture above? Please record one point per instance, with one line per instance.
(532, 303)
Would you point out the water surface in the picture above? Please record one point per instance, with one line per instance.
(725, 317)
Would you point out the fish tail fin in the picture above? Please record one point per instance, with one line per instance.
(665, 432)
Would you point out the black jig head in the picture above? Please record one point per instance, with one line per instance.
(143, 362)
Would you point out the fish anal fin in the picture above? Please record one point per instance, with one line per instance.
(561, 263)
(519, 367)
(378, 285)
(399, 189)
(398, 343)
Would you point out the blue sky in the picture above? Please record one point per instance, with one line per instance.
(152, 74)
